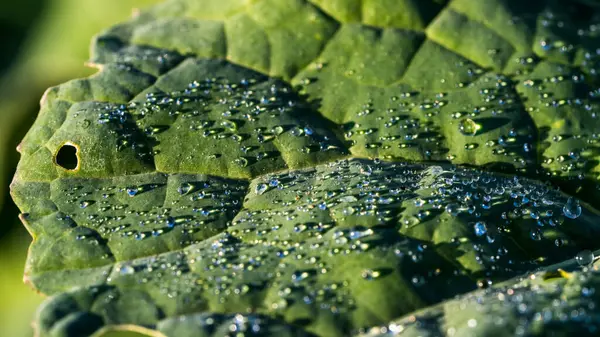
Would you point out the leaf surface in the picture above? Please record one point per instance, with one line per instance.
(300, 167)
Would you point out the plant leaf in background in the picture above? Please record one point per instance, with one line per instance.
(329, 168)
(43, 43)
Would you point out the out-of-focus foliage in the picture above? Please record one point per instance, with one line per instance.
(18, 300)
(44, 42)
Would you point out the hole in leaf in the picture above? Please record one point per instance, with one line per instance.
(67, 158)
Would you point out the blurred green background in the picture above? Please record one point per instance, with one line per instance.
(42, 43)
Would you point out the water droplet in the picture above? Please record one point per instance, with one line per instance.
(369, 274)
(274, 182)
(261, 188)
(584, 257)
(85, 203)
(535, 234)
(278, 129)
(468, 127)
(359, 233)
(126, 270)
(132, 191)
(229, 125)
(241, 161)
(572, 209)
(170, 222)
(296, 131)
(300, 275)
(480, 228)
(453, 209)
(185, 188)
(348, 210)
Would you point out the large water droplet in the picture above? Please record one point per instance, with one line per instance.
(261, 188)
(453, 209)
(185, 188)
(419, 202)
(360, 233)
(480, 228)
(132, 191)
(468, 127)
(584, 257)
(572, 209)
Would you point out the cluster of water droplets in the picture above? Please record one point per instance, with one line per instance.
(563, 101)
(443, 126)
(195, 207)
(229, 325)
(543, 302)
(242, 118)
(308, 238)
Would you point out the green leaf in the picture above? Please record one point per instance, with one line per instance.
(255, 167)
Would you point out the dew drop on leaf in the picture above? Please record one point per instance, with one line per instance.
(296, 131)
(572, 209)
(298, 276)
(261, 188)
(453, 209)
(132, 191)
(126, 270)
(535, 234)
(185, 188)
(584, 257)
(274, 182)
(242, 162)
(348, 210)
(369, 274)
(480, 228)
(468, 127)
